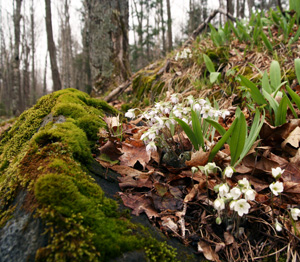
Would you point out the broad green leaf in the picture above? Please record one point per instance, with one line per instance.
(221, 142)
(297, 68)
(217, 126)
(197, 129)
(266, 41)
(294, 96)
(256, 95)
(209, 64)
(275, 75)
(273, 103)
(214, 77)
(253, 134)
(189, 132)
(280, 118)
(290, 105)
(238, 138)
(265, 83)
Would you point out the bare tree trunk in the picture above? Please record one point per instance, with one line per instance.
(237, 9)
(45, 75)
(51, 48)
(230, 7)
(242, 9)
(33, 82)
(163, 27)
(250, 6)
(16, 62)
(169, 22)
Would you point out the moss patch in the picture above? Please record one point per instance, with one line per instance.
(49, 162)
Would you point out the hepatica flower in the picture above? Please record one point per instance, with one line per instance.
(130, 113)
(235, 193)
(228, 171)
(295, 213)
(241, 207)
(250, 194)
(219, 204)
(277, 172)
(223, 190)
(276, 188)
(151, 147)
(244, 184)
(278, 226)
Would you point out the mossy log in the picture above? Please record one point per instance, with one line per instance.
(52, 207)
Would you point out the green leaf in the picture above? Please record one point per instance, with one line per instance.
(280, 118)
(273, 103)
(222, 141)
(266, 41)
(197, 129)
(297, 68)
(238, 138)
(214, 77)
(253, 134)
(189, 132)
(217, 126)
(275, 75)
(209, 64)
(296, 37)
(256, 95)
(265, 83)
(294, 96)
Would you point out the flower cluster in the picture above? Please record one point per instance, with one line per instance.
(161, 120)
(184, 54)
(276, 187)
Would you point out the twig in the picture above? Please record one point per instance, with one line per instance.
(117, 91)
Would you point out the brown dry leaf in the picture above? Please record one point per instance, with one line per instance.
(199, 158)
(134, 151)
(161, 188)
(139, 204)
(291, 143)
(296, 159)
(207, 251)
(190, 196)
(110, 149)
(112, 122)
(291, 187)
(229, 239)
(144, 180)
(168, 223)
(167, 202)
(291, 173)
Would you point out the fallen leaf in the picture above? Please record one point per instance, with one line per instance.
(111, 150)
(167, 222)
(229, 239)
(139, 204)
(207, 251)
(134, 151)
(199, 158)
(291, 143)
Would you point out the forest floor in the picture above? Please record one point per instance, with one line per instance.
(244, 80)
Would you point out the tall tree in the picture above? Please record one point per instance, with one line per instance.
(108, 40)
(51, 47)
(169, 22)
(163, 29)
(32, 31)
(230, 7)
(16, 62)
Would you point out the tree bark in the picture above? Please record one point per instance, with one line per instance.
(33, 82)
(163, 27)
(230, 7)
(52, 48)
(169, 22)
(16, 61)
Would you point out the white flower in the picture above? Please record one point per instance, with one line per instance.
(159, 121)
(232, 204)
(250, 194)
(225, 113)
(174, 98)
(223, 190)
(210, 168)
(242, 207)
(194, 169)
(206, 111)
(276, 188)
(228, 171)
(295, 212)
(130, 113)
(277, 172)
(190, 99)
(235, 193)
(151, 147)
(197, 107)
(219, 204)
(244, 184)
(278, 226)
(177, 113)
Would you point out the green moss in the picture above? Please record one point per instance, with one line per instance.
(69, 134)
(49, 162)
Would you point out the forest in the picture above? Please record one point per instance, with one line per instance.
(165, 130)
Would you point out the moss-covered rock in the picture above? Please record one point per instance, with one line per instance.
(44, 158)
